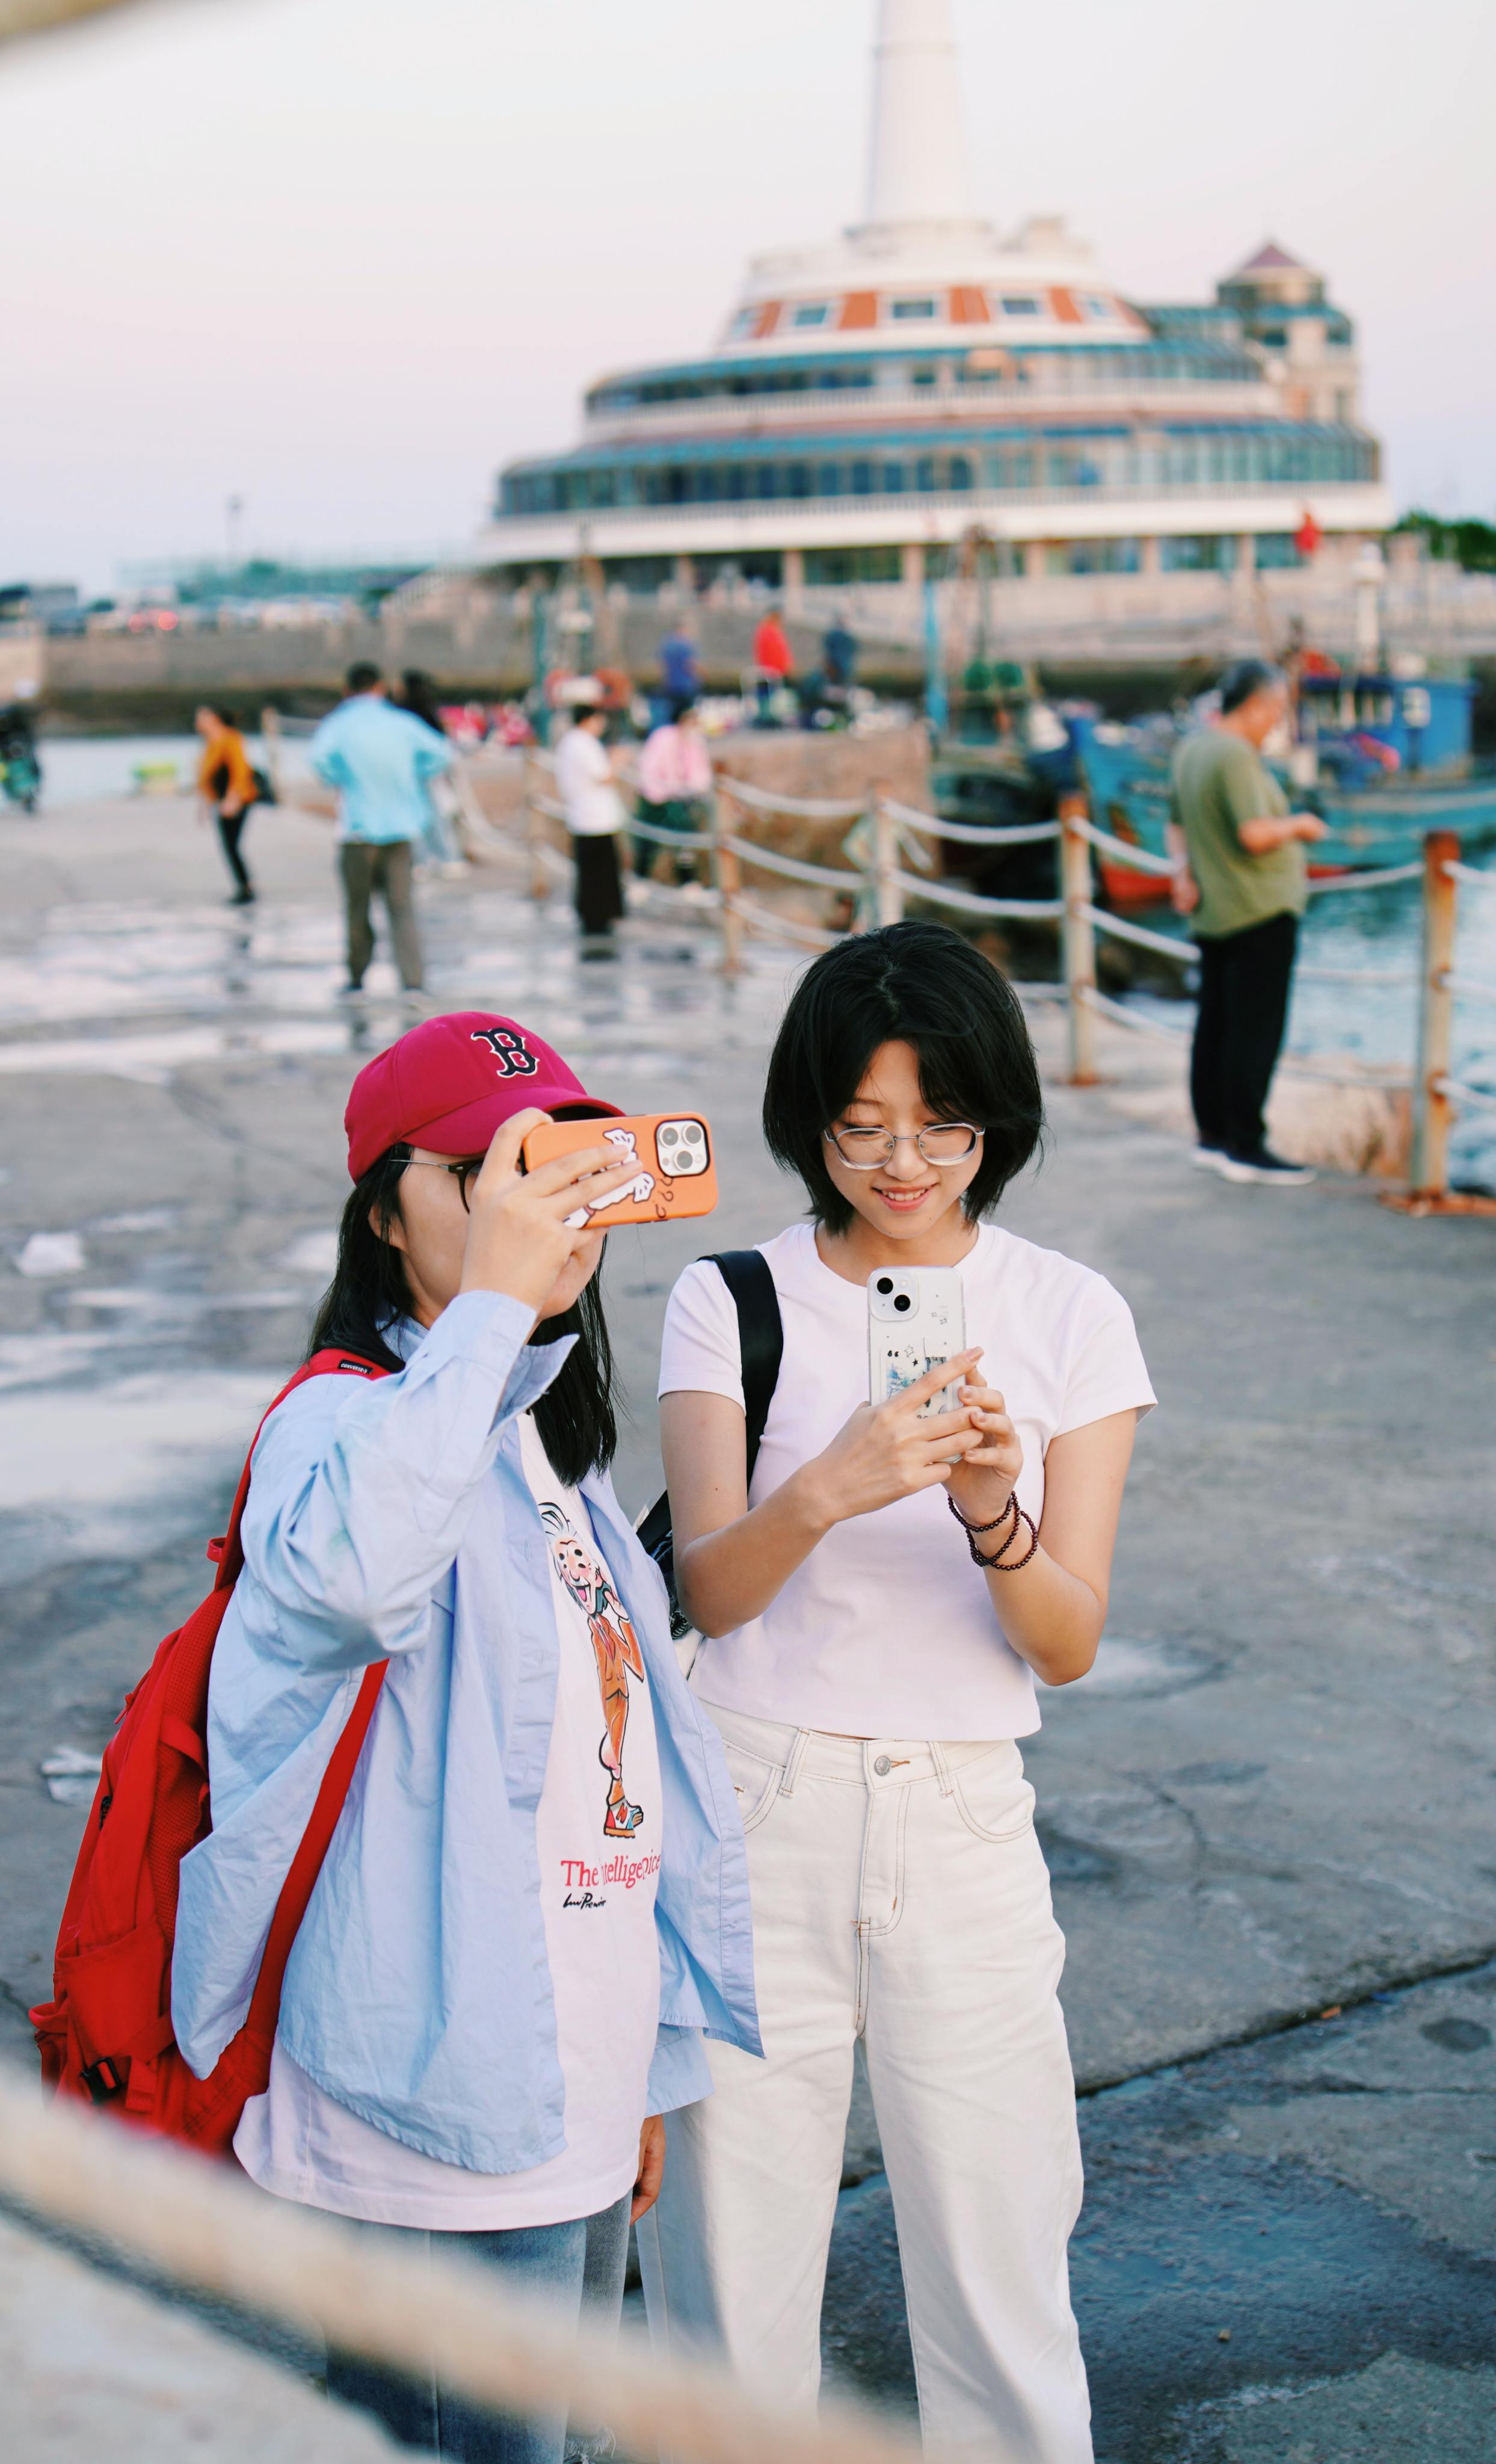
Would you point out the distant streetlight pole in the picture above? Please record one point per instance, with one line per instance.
(233, 508)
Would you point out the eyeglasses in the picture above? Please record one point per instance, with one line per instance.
(464, 1173)
(943, 1142)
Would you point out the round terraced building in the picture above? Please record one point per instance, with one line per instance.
(875, 400)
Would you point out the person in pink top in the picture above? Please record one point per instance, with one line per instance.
(675, 773)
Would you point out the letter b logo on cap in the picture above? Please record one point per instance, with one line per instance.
(509, 1052)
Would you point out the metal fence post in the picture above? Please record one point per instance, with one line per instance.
(888, 895)
(727, 875)
(534, 834)
(1078, 942)
(1429, 1172)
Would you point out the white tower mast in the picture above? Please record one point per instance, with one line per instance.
(917, 167)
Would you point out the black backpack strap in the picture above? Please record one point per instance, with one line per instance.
(760, 1334)
(760, 1343)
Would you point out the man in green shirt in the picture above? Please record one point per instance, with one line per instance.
(1238, 854)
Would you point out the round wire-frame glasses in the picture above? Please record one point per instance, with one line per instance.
(940, 1142)
(464, 1172)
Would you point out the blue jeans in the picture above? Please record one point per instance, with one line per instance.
(579, 2265)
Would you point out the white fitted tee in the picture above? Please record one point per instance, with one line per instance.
(887, 1629)
(598, 1845)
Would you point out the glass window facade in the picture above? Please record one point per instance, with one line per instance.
(1208, 553)
(1209, 460)
(838, 566)
(1094, 556)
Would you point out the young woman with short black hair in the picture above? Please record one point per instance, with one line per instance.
(877, 1603)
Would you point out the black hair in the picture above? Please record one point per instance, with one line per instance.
(418, 694)
(915, 983)
(1244, 678)
(224, 716)
(362, 676)
(576, 1416)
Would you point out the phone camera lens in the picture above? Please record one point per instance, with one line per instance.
(885, 1286)
(669, 1137)
(902, 1302)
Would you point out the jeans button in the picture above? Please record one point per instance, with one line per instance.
(883, 1767)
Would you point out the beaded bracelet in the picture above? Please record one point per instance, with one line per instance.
(968, 1528)
(994, 1565)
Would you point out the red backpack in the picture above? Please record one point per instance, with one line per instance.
(108, 2035)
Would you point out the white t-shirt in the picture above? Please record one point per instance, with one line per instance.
(887, 1629)
(585, 785)
(598, 1844)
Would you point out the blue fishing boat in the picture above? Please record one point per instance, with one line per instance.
(1381, 759)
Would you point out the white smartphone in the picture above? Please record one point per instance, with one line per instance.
(916, 1317)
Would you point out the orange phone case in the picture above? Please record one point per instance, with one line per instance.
(677, 1171)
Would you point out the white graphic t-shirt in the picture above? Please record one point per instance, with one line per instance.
(598, 1845)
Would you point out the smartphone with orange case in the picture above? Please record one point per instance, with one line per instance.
(677, 1172)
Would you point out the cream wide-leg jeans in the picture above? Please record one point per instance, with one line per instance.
(899, 1894)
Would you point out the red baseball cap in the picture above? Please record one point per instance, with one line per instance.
(452, 1081)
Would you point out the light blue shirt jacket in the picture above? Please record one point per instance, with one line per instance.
(379, 758)
(393, 1519)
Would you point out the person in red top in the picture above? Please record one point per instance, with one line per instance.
(774, 660)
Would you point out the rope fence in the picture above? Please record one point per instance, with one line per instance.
(804, 808)
(886, 836)
(970, 902)
(203, 2226)
(967, 833)
(793, 867)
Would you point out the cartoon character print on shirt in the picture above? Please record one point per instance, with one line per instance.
(616, 1648)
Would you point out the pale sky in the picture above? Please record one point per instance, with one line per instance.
(343, 258)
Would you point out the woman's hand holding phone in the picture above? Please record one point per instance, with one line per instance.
(518, 1242)
(886, 1451)
(986, 1476)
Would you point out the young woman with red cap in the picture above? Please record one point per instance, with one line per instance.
(535, 1900)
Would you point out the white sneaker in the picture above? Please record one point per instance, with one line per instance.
(1208, 1158)
(1266, 1170)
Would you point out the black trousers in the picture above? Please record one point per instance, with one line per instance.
(231, 829)
(1244, 981)
(600, 886)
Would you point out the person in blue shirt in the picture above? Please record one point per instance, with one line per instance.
(535, 1905)
(379, 760)
(680, 672)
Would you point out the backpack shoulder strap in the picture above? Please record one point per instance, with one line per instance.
(760, 1334)
(226, 1551)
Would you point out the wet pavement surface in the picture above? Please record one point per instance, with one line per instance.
(1273, 1799)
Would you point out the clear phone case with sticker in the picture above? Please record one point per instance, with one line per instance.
(916, 1317)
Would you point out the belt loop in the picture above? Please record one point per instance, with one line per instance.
(943, 1771)
(797, 1755)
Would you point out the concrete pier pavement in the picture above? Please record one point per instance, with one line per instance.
(1268, 1813)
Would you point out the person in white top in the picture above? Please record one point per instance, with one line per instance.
(876, 1605)
(594, 810)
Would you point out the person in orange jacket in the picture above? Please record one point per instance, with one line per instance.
(227, 788)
